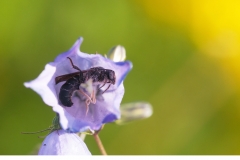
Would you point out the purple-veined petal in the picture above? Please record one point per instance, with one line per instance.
(60, 142)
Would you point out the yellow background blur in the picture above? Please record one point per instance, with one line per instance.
(186, 63)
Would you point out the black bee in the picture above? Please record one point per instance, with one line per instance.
(98, 75)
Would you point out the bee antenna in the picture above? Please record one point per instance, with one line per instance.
(75, 67)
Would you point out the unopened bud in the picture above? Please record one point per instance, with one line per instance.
(117, 54)
(134, 111)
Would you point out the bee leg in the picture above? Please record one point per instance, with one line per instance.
(106, 89)
(102, 85)
(87, 96)
(91, 98)
(75, 67)
(87, 102)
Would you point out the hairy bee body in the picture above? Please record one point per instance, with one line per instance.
(98, 75)
(67, 90)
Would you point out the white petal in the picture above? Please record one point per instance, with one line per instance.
(40, 85)
(62, 143)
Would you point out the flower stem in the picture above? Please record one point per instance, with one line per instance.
(99, 143)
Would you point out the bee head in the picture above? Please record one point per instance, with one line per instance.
(111, 76)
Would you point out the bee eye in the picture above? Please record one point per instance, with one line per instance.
(111, 75)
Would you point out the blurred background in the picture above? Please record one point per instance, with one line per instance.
(186, 63)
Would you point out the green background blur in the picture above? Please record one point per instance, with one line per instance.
(186, 63)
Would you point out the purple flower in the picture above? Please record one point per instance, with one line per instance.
(60, 142)
(79, 117)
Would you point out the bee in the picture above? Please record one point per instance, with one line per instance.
(98, 75)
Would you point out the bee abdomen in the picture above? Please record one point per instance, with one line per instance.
(67, 90)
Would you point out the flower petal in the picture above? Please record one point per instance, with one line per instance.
(60, 142)
(73, 50)
(40, 86)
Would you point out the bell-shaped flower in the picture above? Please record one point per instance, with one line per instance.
(59, 142)
(88, 99)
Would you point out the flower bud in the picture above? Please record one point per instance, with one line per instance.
(117, 54)
(134, 111)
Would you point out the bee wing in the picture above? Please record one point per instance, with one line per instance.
(65, 77)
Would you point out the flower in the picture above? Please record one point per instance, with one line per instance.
(79, 117)
(60, 142)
